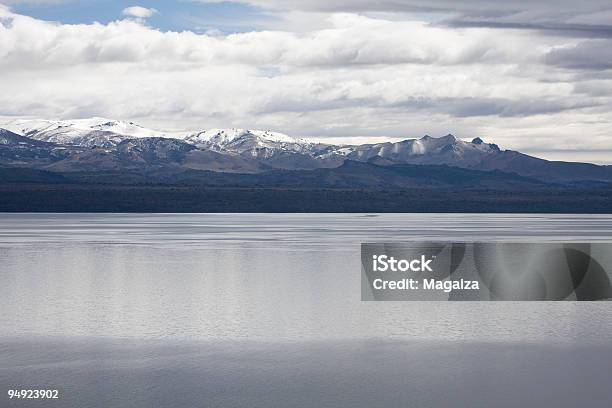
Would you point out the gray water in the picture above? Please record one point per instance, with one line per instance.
(263, 310)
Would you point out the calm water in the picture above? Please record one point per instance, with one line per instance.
(264, 310)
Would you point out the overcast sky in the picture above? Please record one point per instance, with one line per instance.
(534, 76)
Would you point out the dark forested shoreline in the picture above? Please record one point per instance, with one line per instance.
(69, 197)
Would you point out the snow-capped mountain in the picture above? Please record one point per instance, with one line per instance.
(103, 144)
(18, 150)
(256, 143)
(100, 132)
(427, 150)
(267, 145)
(260, 144)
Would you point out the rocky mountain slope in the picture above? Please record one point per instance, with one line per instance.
(104, 145)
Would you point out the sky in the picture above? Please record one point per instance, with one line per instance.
(534, 76)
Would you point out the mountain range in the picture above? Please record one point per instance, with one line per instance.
(109, 151)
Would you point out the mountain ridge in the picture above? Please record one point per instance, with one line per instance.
(86, 145)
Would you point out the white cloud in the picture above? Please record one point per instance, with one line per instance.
(348, 40)
(139, 12)
(354, 76)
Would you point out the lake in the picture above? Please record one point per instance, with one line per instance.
(262, 310)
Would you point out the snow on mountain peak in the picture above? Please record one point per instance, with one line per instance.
(230, 135)
(104, 132)
(96, 131)
(253, 142)
(118, 127)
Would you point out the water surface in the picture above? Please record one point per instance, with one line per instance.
(264, 310)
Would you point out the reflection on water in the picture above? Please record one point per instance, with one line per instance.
(238, 310)
(320, 230)
(258, 276)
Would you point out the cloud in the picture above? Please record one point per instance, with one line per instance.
(594, 88)
(588, 18)
(583, 12)
(505, 108)
(349, 40)
(352, 76)
(471, 6)
(553, 28)
(139, 12)
(591, 55)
